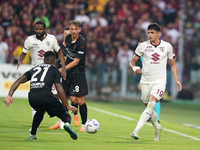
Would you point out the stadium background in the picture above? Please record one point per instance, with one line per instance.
(112, 28)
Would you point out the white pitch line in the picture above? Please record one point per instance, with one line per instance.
(131, 119)
(29, 132)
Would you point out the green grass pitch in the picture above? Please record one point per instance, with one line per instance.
(117, 120)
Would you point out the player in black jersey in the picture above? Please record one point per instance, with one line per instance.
(62, 45)
(76, 83)
(42, 77)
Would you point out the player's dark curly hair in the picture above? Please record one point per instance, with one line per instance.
(154, 26)
(40, 22)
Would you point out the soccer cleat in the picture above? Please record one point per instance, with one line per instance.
(157, 133)
(32, 137)
(57, 125)
(76, 120)
(82, 128)
(134, 135)
(72, 134)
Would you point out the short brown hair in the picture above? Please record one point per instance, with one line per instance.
(75, 22)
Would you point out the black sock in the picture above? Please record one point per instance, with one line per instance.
(83, 112)
(37, 119)
(75, 105)
(66, 118)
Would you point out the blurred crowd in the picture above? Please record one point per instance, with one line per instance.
(112, 29)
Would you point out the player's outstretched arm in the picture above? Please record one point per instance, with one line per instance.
(21, 58)
(13, 88)
(63, 98)
(175, 73)
(62, 60)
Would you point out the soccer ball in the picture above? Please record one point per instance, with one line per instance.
(92, 126)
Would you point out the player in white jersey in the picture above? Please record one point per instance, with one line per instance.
(38, 44)
(155, 53)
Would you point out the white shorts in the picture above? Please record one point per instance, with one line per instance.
(155, 89)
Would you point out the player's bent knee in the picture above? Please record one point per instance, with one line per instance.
(81, 100)
(73, 100)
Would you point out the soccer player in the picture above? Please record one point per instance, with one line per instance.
(38, 44)
(59, 65)
(76, 83)
(42, 77)
(153, 82)
(157, 107)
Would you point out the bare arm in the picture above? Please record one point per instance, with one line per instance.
(175, 73)
(132, 65)
(61, 95)
(13, 88)
(62, 60)
(72, 64)
(21, 58)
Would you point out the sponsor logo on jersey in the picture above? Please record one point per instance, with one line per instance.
(162, 49)
(149, 50)
(48, 43)
(35, 46)
(41, 54)
(70, 54)
(37, 85)
(80, 52)
(155, 58)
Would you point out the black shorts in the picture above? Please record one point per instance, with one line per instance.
(45, 101)
(75, 85)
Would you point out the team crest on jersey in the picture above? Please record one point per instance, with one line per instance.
(162, 49)
(48, 43)
(74, 46)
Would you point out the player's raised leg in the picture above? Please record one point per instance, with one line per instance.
(66, 118)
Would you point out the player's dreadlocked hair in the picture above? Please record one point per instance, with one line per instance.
(40, 22)
(154, 26)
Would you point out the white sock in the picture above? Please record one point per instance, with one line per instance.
(34, 136)
(145, 115)
(61, 124)
(154, 119)
(33, 112)
(67, 124)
